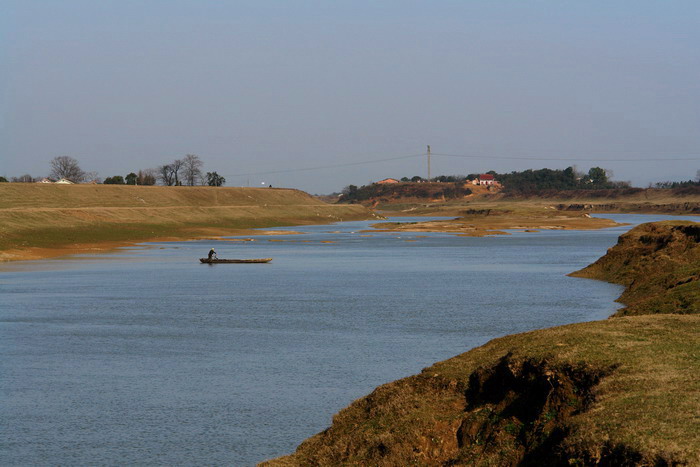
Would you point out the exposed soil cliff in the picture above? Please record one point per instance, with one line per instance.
(622, 391)
(659, 264)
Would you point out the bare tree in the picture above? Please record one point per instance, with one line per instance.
(93, 177)
(68, 168)
(166, 175)
(147, 177)
(192, 169)
(176, 167)
(26, 178)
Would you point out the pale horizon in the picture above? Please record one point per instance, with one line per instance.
(269, 88)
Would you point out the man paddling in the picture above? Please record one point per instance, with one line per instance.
(212, 254)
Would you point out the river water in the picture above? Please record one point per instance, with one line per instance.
(144, 356)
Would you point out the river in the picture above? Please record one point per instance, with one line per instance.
(144, 356)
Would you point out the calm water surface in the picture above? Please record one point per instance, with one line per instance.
(145, 356)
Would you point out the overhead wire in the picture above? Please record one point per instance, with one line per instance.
(564, 159)
(469, 156)
(336, 166)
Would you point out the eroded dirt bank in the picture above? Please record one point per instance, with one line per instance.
(622, 391)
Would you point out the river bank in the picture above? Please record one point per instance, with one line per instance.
(618, 391)
(677, 201)
(43, 221)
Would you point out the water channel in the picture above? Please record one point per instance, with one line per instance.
(144, 356)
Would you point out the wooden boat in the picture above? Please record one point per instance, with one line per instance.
(225, 261)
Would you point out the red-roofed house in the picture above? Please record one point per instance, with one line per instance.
(486, 179)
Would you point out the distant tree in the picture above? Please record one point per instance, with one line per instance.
(169, 174)
(214, 179)
(92, 177)
(191, 169)
(405, 179)
(349, 191)
(68, 168)
(176, 167)
(26, 178)
(598, 176)
(146, 177)
(3, 180)
(116, 180)
(166, 176)
(417, 179)
(131, 179)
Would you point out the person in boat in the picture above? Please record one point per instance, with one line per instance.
(212, 254)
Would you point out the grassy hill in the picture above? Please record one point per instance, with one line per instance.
(622, 391)
(46, 220)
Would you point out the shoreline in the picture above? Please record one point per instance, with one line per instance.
(40, 253)
(485, 222)
(42, 222)
(459, 227)
(616, 391)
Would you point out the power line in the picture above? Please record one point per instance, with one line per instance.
(562, 159)
(349, 164)
(468, 156)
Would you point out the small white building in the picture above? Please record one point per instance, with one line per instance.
(64, 181)
(486, 180)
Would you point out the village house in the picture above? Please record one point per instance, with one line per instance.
(387, 181)
(45, 180)
(64, 181)
(485, 180)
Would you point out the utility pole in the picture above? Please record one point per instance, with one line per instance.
(428, 163)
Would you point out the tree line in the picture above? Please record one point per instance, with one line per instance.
(354, 194)
(682, 184)
(526, 181)
(530, 181)
(181, 172)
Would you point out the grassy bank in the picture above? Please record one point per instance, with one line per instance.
(659, 264)
(622, 391)
(49, 220)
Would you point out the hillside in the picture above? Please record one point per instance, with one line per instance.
(622, 391)
(49, 220)
(442, 198)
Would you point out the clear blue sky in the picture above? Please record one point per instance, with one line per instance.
(261, 86)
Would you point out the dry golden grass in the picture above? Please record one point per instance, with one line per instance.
(46, 220)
